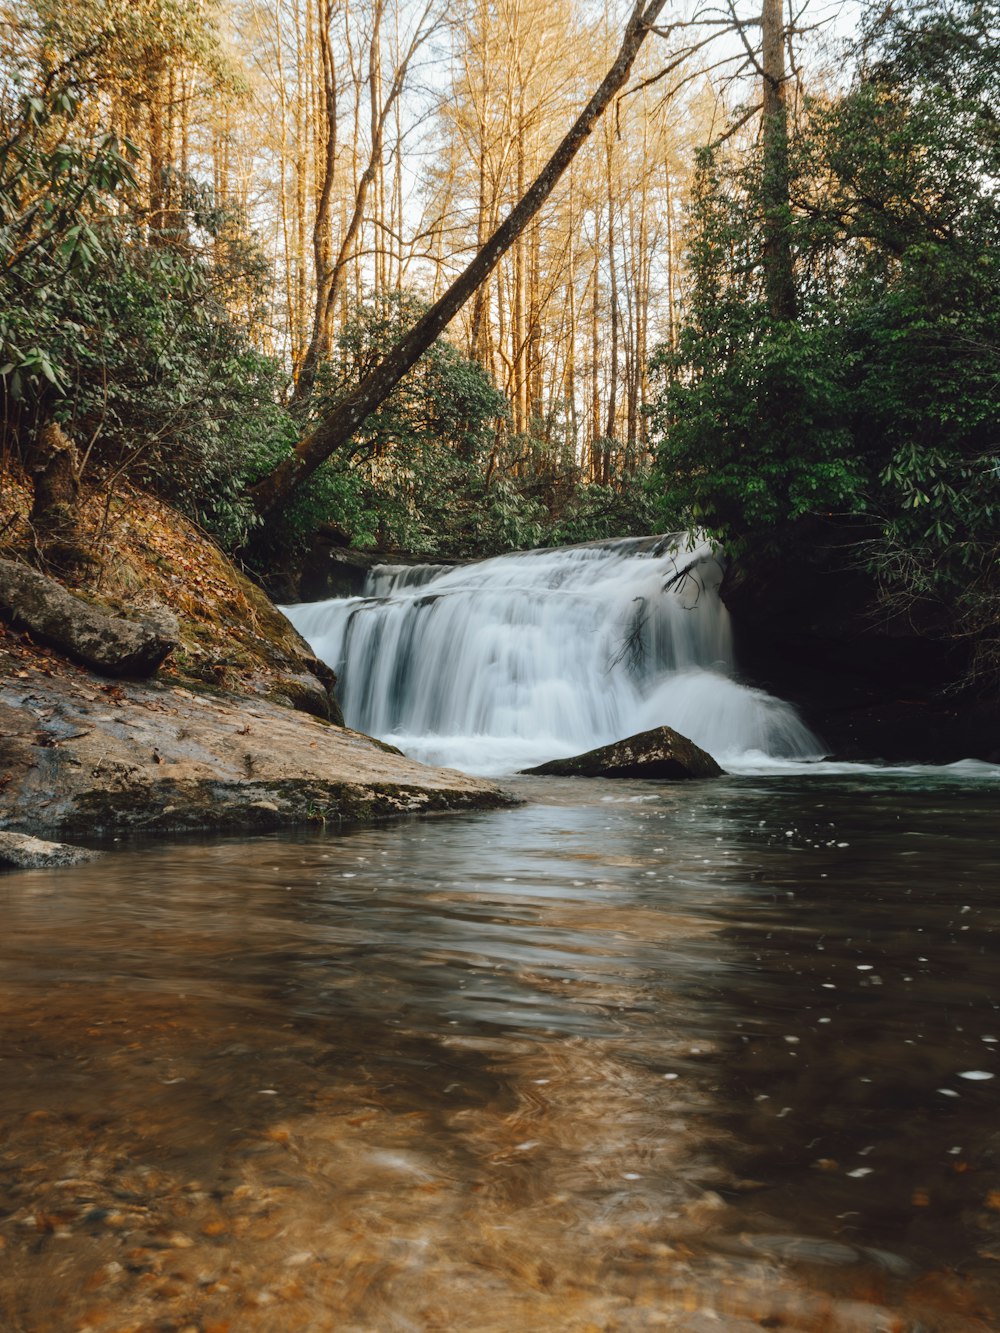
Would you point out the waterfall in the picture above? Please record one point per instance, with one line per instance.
(536, 655)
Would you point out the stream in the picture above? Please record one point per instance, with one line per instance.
(710, 1057)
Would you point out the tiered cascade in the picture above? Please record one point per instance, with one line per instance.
(541, 654)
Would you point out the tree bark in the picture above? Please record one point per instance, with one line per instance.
(594, 467)
(55, 513)
(158, 161)
(612, 419)
(779, 276)
(331, 281)
(347, 416)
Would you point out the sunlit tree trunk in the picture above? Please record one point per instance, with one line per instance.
(595, 356)
(572, 334)
(613, 314)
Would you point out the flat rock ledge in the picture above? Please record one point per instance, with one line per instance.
(82, 759)
(18, 851)
(660, 753)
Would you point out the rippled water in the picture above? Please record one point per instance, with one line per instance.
(712, 1057)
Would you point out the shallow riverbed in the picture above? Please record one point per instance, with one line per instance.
(709, 1057)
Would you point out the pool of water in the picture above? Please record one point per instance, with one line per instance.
(710, 1057)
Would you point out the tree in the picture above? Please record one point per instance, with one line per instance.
(417, 476)
(864, 429)
(777, 250)
(120, 351)
(54, 190)
(331, 269)
(340, 423)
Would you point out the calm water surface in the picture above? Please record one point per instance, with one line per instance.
(714, 1058)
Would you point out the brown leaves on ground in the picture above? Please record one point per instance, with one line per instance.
(150, 560)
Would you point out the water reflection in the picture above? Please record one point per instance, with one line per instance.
(630, 1056)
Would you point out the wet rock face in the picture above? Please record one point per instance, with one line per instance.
(20, 852)
(79, 760)
(660, 753)
(108, 644)
(309, 691)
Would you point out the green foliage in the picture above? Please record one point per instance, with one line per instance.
(129, 341)
(435, 472)
(597, 513)
(131, 313)
(56, 230)
(751, 413)
(759, 443)
(877, 408)
(422, 474)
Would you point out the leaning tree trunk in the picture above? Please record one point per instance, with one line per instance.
(344, 419)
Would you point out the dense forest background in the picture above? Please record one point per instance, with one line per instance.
(763, 299)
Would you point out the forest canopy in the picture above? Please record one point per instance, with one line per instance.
(761, 299)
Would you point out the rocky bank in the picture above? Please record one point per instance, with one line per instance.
(81, 757)
(237, 730)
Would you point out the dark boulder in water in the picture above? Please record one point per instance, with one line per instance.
(660, 753)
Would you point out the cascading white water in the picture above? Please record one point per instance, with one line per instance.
(537, 655)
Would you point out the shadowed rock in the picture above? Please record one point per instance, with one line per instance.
(108, 644)
(660, 753)
(20, 852)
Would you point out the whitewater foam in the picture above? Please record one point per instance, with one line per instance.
(496, 666)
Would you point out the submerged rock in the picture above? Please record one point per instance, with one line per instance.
(18, 851)
(108, 644)
(660, 753)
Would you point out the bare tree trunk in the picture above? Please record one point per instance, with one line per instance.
(335, 279)
(641, 251)
(612, 424)
(779, 277)
(611, 242)
(671, 317)
(302, 156)
(322, 238)
(295, 346)
(55, 513)
(519, 338)
(157, 185)
(337, 427)
(536, 403)
(378, 174)
(595, 357)
(480, 304)
(570, 392)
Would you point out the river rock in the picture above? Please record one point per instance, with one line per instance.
(18, 851)
(108, 644)
(304, 691)
(145, 757)
(660, 753)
